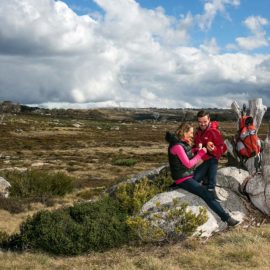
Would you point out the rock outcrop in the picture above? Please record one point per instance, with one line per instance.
(228, 182)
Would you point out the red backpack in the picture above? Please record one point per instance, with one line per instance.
(248, 143)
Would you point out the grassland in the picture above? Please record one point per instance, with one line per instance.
(89, 151)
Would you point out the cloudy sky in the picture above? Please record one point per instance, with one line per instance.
(134, 53)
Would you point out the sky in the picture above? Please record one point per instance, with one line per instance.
(127, 53)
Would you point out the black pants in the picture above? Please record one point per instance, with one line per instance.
(209, 170)
(194, 187)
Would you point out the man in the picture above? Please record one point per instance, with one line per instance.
(209, 136)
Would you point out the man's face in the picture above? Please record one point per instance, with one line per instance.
(203, 122)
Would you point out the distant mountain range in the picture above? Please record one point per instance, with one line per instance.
(124, 114)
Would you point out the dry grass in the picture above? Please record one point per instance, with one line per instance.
(235, 249)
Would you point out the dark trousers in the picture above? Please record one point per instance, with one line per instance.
(194, 187)
(208, 169)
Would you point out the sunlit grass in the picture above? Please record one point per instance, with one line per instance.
(223, 251)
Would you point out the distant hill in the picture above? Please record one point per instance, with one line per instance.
(124, 114)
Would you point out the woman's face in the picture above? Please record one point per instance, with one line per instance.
(189, 134)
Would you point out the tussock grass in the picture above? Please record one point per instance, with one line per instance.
(222, 252)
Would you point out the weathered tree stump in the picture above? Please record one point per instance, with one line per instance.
(258, 184)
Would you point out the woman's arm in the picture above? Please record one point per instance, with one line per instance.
(179, 151)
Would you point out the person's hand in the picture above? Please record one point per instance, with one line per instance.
(210, 146)
(204, 149)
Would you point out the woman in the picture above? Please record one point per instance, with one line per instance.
(182, 163)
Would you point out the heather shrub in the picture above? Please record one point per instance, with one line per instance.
(180, 223)
(133, 196)
(38, 185)
(94, 226)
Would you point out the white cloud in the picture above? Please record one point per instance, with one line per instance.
(43, 26)
(252, 42)
(210, 46)
(211, 9)
(128, 56)
(255, 24)
(258, 38)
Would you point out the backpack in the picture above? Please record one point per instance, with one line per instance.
(247, 141)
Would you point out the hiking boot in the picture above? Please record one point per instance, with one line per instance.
(231, 222)
(214, 194)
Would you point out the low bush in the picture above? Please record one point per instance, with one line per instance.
(162, 182)
(125, 162)
(132, 196)
(168, 223)
(84, 227)
(3, 237)
(38, 185)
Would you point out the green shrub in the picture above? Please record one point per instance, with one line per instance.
(38, 185)
(162, 182)
(3, 238)
(125, 162)
(132, 196)
(84, 227)
(179, 224)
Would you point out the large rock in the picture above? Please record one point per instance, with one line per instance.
(231, 202)
(4, 187)
(258, 186)
(231, 178)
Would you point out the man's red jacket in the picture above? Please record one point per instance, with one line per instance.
(211, 134)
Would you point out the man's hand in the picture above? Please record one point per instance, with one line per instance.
(210, 146)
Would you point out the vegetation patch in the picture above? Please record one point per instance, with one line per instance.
(13, 205)
(125, 162)
(95, 226)
(38, 184)
(34, 186)
(90, 193)
(132, 196)
(168, 224)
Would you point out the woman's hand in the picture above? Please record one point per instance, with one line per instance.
(204, 149)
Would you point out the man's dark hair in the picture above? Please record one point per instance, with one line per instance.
(202, 113)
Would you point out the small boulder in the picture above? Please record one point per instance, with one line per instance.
(4, 187)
